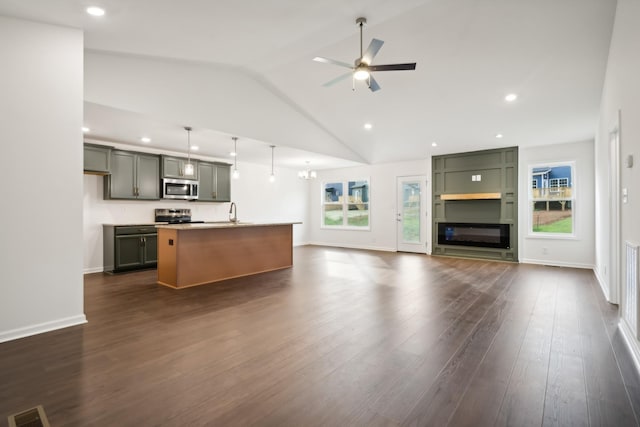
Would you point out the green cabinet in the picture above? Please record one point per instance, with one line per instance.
(215, 182)
(129, 247)
(133, 176)
(173, 167)
(97, 159)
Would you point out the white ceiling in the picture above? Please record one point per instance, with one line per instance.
(469, 55)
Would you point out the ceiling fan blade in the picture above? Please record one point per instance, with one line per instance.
(372, 51)
(332, 61)
(336, 80)
(393, 67)
(373, 84)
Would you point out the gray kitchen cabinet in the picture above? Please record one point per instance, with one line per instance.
(129, 247)
(133, 176)
(97, 159)
(215, 182)
(173, 167)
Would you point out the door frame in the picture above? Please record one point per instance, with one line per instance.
(615, 267)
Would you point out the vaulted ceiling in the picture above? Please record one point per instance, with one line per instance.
(469, 55)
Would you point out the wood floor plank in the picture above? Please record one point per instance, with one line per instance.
(483, 397)
(345, 337)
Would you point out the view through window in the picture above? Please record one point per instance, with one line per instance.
(346, 204)
(552, 199)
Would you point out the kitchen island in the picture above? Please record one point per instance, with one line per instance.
(196, 254)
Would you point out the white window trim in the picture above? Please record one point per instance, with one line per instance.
(574, 198)
(345, 205)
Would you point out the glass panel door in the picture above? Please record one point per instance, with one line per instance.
(411, 214)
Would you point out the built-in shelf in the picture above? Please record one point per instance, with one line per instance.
(471, 196)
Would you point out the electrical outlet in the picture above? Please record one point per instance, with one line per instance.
(545, 251)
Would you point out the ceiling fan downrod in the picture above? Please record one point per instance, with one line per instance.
(361, 21)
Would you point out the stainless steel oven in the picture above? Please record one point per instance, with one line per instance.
(179, 189)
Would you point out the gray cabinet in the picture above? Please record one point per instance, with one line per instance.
(129, 247)
(97, 159)
(133, 176)
(173, 167)
(215, 182)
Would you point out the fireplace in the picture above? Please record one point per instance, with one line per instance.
(474, 234)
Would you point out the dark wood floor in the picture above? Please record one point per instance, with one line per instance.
(343, 338)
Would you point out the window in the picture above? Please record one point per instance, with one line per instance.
(552, 199)
(345, 204)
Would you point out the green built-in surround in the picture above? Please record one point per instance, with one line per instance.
(453, 174)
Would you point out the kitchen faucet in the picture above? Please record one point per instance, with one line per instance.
(233, 209)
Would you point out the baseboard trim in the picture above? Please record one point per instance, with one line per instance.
(349, 246)
(93, 270)
(632, 344)
(601, 282)
(41, 328)
(556, 263)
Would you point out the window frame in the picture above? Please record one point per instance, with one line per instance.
(345, 204)
(573, 199)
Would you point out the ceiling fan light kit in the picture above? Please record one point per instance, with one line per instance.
(362, 68)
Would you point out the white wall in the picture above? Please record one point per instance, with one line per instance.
(256, 198)
(41, 113)
(382, 235)
(621, 92)
(576, 252)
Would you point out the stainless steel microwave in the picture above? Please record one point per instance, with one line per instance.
(179, 189)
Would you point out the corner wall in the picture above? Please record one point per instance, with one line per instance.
(41, 109)
(621, 92)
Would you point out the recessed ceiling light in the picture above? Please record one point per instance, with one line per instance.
(499, 135)
(95, 11)
(233, 154)
(145, 139)
(194, 148)
(434, 144)
(368, 126)
(85, 129)
(511, 97)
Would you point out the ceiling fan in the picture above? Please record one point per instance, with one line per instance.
(362, 68)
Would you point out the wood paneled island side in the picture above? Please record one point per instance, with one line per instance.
(196, 254)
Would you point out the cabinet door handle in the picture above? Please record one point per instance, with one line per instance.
(213, 195)
(143, 241)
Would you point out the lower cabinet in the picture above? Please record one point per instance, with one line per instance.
(129, 247)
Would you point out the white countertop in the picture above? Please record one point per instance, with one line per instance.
(221, 224)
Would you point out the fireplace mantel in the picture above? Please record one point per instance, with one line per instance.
(471, 196)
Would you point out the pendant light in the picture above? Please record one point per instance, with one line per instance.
(236, 173)
(188, 168)
(272, 177)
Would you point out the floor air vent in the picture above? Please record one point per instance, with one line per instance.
(34, 417)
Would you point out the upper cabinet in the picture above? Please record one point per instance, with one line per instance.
(215, 182)
(173, 167)
(133, 176)
(97, 159)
